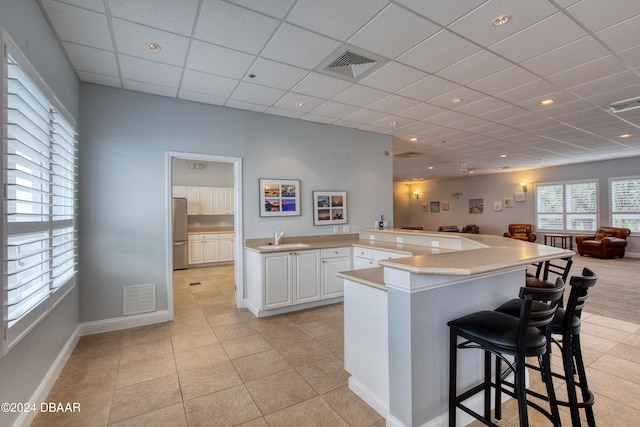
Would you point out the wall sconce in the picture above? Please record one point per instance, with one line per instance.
(415, 193)
(457, 194)
(524, 186)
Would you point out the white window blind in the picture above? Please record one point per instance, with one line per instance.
(567, 206)
(40, 182)
(625, 203)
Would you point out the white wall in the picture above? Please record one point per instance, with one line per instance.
(23, 368)
(496, 187)
(124, 139)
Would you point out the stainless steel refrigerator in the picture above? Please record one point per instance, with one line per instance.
(179, 233)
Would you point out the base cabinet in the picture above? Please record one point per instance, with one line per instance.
(368, 258)
(333, 261)
(291, 278)
(208, 248)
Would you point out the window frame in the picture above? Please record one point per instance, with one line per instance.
(611, 212)
(60, 121)
(564, 213)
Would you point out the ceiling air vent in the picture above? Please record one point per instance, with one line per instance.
(626, 105)
(409, 154)
(350, 63)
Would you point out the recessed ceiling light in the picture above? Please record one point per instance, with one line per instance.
(546, 102)
(501, 20)
(456, 100)
(197, 166)
(430, 167)
(299, 104)
(153, 46)
(393, 123)
(503, 155)
(625, 135)
(414, 139)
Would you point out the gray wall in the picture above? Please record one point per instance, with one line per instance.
(125, 137)
(496, 187)
(23, 368)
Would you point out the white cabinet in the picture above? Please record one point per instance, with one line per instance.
(223, 201)
(178, 191)
(199, 200)
(306, 274)
(206, 248)
(368, 258)
(333, 261)
(225, 247)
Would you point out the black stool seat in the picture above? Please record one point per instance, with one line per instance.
(511, 340)
(512, 308)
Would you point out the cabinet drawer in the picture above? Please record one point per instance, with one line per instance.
(202, 236)
(227, 236)
(335, 252)
(362, 252)
(378, 255)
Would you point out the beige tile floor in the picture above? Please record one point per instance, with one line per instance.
(215, 365)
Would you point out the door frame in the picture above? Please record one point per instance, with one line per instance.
(238, 235)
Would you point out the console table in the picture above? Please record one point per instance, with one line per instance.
(563, 240)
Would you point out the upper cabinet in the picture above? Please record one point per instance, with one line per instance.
(206, 200)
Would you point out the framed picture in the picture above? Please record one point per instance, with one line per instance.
(329, 207)
(425, 207)
(476, 206)
(520, 197)
(279, 197)
(508, 202)
(497, 206)
(445, 206)
(434, 207)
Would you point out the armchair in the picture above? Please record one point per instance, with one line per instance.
(521, 232)
(608, 242)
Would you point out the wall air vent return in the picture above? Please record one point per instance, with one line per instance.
(409, 154)
(139, 299)
(626, 105)
(350, 63)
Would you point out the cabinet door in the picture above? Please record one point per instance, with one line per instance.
(360, 263)
(196, 255)
(307, 276)
(206, 200)
(332, 285)
(225, 249)
(219, 201)
(210, 249)
(277, 280)
(178, 191)
(193, 200)
(230, 201)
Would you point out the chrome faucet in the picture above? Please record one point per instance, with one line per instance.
(279, 234)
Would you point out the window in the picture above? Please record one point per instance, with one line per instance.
(567, 206)
(625, 202)
(39, 202)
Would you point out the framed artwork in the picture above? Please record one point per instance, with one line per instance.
(445, 206)
(497, 206)
(329, 207)
(476, 206)
(520, 197)
(425, 207)
(279, 197)
(434, 207)
(508, 202)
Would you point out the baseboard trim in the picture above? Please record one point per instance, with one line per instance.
(42, 391)
(124, 322)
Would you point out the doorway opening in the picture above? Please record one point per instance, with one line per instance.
(234, 164)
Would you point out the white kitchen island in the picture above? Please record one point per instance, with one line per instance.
(396, 333)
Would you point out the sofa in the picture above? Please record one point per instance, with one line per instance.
(521, 232)
(608, 242)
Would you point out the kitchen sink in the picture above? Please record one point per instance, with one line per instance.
(285, 246)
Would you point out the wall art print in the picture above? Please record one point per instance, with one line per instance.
(329, 207)
(279, 197)
(434, 207)
(476, 206)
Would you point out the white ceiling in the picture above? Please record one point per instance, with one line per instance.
(583, 54)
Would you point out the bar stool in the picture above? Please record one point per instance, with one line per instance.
(559, 267)
(502, 335)
(567, 325)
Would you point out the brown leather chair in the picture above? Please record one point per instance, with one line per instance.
(521, 232)
(608, 242)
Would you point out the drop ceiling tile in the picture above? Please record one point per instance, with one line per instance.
(201, 97)
(298, 47)
(359, 95)
(622, 36)
(218, 60)
(348, 124)
(631, 56)
(99, 79)
(562, 107)
(234, 27)
(149, 88)
(393, 104)
(136, 69)
(131, 39)
(80, 26)
(438, 51)
(208, 84)
(242, 105)
(276, 8)
(442, 12)
(503, 113)
(477, 25)
(615, 95)
(256, 94)
(606, 84)
(365, 116)
(447, 118)
(384, 36)
(174, 16)
(465, 95)
(285, 113)
(393, 77)
(95, 5)
(334, 18)
(503, 80)
(421, 111)
(569, 56)
(587, 72)
(336, 110)
(481, 106)
(428, 88)
(532, 90)
(377, 129)
(539, 38)
(318, 119)
(289, 101)
(420, 128)
(599, 14)
(474, 67)
(91, 60)
(319, 85)
(275, 74)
